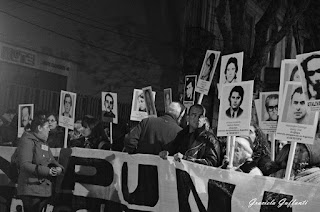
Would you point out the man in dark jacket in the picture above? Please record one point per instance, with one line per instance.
(195, 143)
(152, 133)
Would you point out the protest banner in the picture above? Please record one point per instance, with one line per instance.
(124, 182)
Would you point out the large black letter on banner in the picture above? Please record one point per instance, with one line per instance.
(220, 194)
(280, 202)
(147, 191)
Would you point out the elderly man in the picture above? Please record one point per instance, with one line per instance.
(271, 105)
(151, 134)
(195, 142)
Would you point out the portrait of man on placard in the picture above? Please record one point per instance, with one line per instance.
(189, 88)
(109, 107)
(297, 111)
(235, 100)
(310, 65)
(25, 117)
(231, 68)
(207, 68)
(271, 107)
(67, 105)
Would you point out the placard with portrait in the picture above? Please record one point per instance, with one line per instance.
(109, 103)
(67, 109)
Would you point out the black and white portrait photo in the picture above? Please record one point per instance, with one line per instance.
(189, 88)
(139, 106)
(25, 117)
(67, 109)
(109, 107)
(167, 96)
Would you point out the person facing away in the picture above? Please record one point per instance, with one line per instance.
(271, 105)
(152, 133)
(37, 166)
(235, 100)
(196, 142)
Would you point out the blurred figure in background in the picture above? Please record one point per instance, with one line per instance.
(56, 134)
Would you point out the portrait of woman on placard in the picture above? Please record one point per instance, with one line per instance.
(208, 66)
(231, 70)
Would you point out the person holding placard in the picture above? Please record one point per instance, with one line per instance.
(195, 142)
(235, 100)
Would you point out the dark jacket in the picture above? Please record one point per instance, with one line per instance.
(228, 112)
(203, 147)
(56, 138)
(151, 134)
(34, 156)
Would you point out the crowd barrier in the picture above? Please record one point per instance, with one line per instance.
(123, 182)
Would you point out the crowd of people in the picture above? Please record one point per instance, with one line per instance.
(181, 133)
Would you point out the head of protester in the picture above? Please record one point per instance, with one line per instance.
(56, 134)
(93, 135)
(37, 166)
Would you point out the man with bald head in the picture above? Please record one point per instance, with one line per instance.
(152, 133)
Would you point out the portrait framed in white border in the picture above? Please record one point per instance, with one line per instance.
(207, 71)
(269, 111)
(167, 97)
(25, 116)
(67, 109)
(235, 109)
(296, 120)
(189, 88)
(109, 103)
(138, 106)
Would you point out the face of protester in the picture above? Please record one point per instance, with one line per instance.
(299, 106)
(108, 103)
(235, 100)
(239, 155)
(189, 90)
(273, 109)
(141, 103)
(85, 131)
(67, 104)
(314, 76)
(52, 122)
(231, 72)
(194, 115)
(44, 131)
(25, 116)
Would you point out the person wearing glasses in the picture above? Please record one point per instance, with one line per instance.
(108, 103)
(271, 105)
(299, 112)
(56, 134)
(311, 69)
(67, 105)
